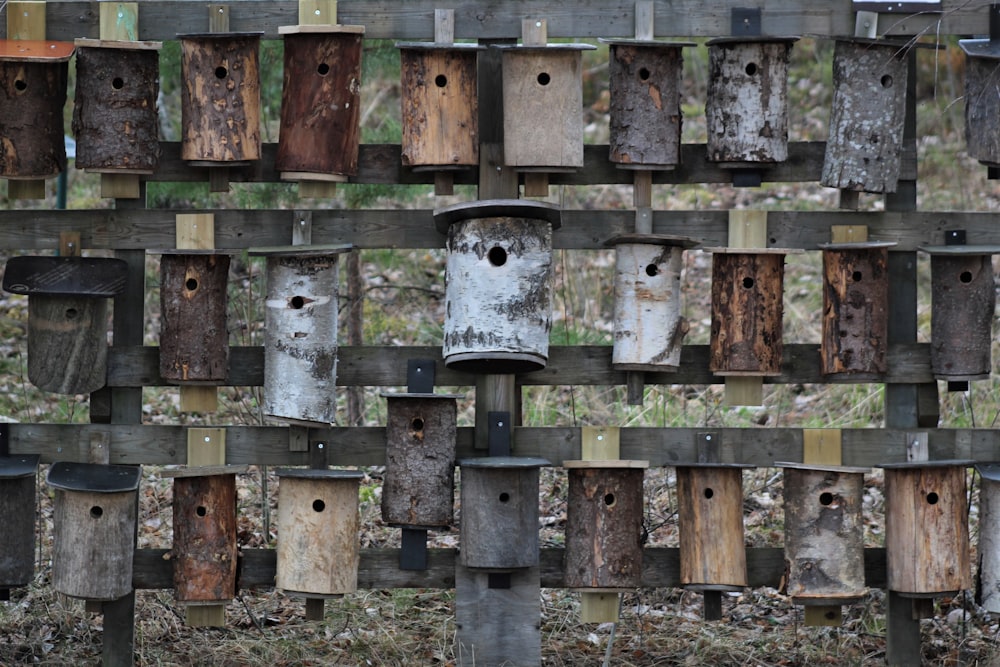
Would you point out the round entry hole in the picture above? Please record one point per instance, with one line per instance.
(97, 511)
(440, 81)
(886, 81)
(644, 74)
(296, 302)
(652, 270)
(71, 313)
(323, 69)
(417, 424)
(497, 256)
(932, 498)
(221, 72)
(319, 505)
(544, 79)
(117, 83)
(201, 511)
(20, 85)
(709, 493)
(191, 284)
(748, 282)
(825, 498)
(609, 499)
(856, 276)
(504, 497)
(966, 277)
(751, 69)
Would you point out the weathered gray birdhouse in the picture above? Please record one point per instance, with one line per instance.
(982, 116)
(988, 588)
(17, 506)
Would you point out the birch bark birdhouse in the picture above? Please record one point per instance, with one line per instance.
(94, 524)
(115, 118)
(988, 587)
(67, 317)
(747, 105)
(982, 116)
(500, 512)
(318, 523)
(17, 507)
(300, 344)
(649, 329)
(864, 147)
(33, 79)
(320, 103)
(498, 298)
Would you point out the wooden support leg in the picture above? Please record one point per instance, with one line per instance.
(315, 609)
(713, 605)
(26, 189)
(119, 632)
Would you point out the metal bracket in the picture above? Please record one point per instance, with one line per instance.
(747, 178)
(420, 376)
(954, 237)
(708, 446)
(745, 21)
(499, 580)
(4, 439)
(413, 549)
(499, 433)
(302, 227)
(917, 448)
(317, 456)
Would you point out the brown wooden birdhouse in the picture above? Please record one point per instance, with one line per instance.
(864, 148)
(94, 524)
(926, 528)
(499, 500)
(988, 550)
(747, 105)
(320, 103)
(115, 119)
(855, 310)
(982, 116)
(604, 511)
(33, 78)
(17, 507)
(300, 344)
(318, 523)
(67, 317)
(498, 298)
(649, 329)
(824, 537)
(220, 99)
(645, 118)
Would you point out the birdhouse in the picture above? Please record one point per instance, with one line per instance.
(746, 110)
(645, 118)
(419, 486)
(864, 148)
(94, 529)
(710, 520)
(67, 317)
(604, 511)
(855, 309)
(963, 299)
(318, 523)
(926, 528)
(498, 298)
(300, 345)
(220, 98)
(115, 119)
(33, 78)
(320, 103)
(824, 537)
(649, 329)
(982, 119)
(542, 103)
(988, 588)
(499, 500)
(194, 338)
(17, 506)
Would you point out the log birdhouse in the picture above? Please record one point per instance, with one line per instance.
(982, 117)
(604, 513)
(194, 338)
(17, 507)
(864, 148)
(94, 529)
(926, 528)
(710, 520)
(747, 105)
(220, 99)
(498, 298)
(645, 119)
(67, 318)
(115, 119)
(318, 523)
(499, 500)
(320, 103)
(855, 310)
(649, 329)
(824, 537)
(33, 78)
(988, 586)
(300, 346)
(963, 299)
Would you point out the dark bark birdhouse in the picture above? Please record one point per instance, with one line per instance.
(318, 523)
(17, 507)
(67, 318)
(604, 511)
(982, 116)
(194, 338)
(710, 520)
(855, 310)
(115, 118)
(824, 537)
(33, 78)
(747, 105)
(988, 587)
(499, 500)
(864, 148)
(498, 298)
(300, 345)
(220, 99)
(94, 529)
(963, 299)
(649, 329)
(419, 486)
(926, 528)
(320, 103)
(645, 118)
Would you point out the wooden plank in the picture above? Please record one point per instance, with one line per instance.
(119, 21)
(26, 19)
